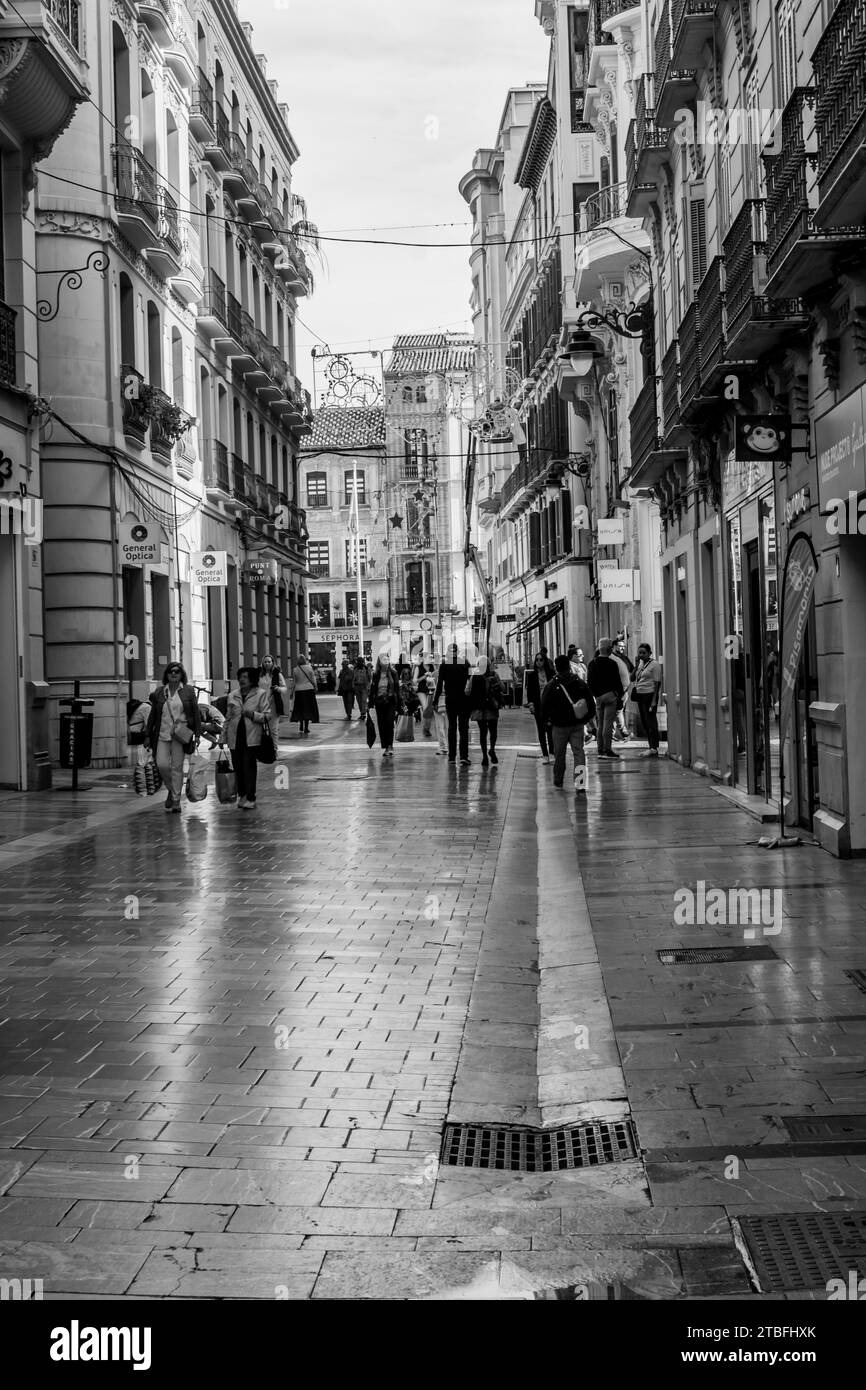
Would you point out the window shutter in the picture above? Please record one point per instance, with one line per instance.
(566, 523)
(697, 225)
(534, 540)
(553, 529)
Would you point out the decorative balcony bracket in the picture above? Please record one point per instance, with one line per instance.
(70, 280)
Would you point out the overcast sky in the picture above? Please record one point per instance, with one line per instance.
(388, 101)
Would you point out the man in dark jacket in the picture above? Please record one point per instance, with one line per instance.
(558, 702)
(604, 679)
(453, 675)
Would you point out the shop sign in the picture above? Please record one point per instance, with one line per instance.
(259, 571)
(209, 568)
(337, 634)
(611, 530)
(761, 437)
(139, 543)
(840, 443)
(506, 618)
(797, 585)
(798, 503)
(619, 586)
(603, 565)
(741, 478)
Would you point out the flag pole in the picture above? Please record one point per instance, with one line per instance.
(357, 530)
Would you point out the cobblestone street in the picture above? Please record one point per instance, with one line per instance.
(241, 1090)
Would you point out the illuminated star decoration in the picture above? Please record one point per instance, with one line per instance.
(396, 520)
(316, 618)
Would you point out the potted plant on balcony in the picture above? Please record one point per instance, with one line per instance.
(173, 421)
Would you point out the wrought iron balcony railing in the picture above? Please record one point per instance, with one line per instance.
(839, 61)
(670, 390)
(711, 306)
(67, 16)
(604, 206)
(690, 367)
(137, 184)
(216, 473)
(7, 345)
(644, 424)
(201, 111)
(789, 216)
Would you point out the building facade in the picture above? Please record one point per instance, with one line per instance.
(429, 398)
(170, 363)
(557, 262)
(347, 447)
(44, 78)
(748, 174)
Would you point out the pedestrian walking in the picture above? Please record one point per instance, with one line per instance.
(485, 699)
(567, 704)
(386, 699)
(305, 709)
(361, 686)
(248, 709)
(272, 680)
(173, 729)
(577, 662)
(604, 678)
(537, 677)
(453, 679)
(426, 687)
(620, 655)
(647, 691)
(346, 687)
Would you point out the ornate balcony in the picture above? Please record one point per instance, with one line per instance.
(690, 369)
(7, 345)
(646, 150)
(604, 206)
(839, 61)
(135, 395)
(711, 308)
(692, 25)
(180, 55)
(241, 177)
(673, 433)
(201, 111)
(407, 604)
(188, 283)
(146, 212)
(217, 144)
(756, 323)
(238, 471)
(156, 15)
(644, 432)
(800, 255)
(217, 478)
(43, 71)
(161, 441)
(165, 256)
(246, 359)
(674, 87)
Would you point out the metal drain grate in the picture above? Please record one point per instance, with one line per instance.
(807, 1250)
(537, 1150)
(709, 955)
(859, 979)
(829, 1127)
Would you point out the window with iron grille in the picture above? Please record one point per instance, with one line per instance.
(350, 554)
(317, 489)
(320, 610)
(362, 487)
(318, 557)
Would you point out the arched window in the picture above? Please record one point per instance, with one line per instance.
(147, 140)
(269, 315)
(127, 321)
(275, 186)
(172, 153)
(263, 164)
(287, 210)
(219, 85)
(122, 91)
(236, 114)
(205, 409)
(201, 43)
(256, 305)
(154, 345)
(420, 395)
(177, 390)
(231, 280)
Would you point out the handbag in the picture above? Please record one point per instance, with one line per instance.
(265, 751)
(581, 710)
(226, 781)
(405, 729)
(196, 780)
(371, 731)
(183, 733)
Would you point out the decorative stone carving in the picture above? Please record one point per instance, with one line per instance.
(71, 224)
(12, 54)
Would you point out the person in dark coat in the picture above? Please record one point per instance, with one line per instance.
(361, 686)
(537, 677)
(174, 714)
(558, 702)
(346, 687)
(305, 709)
(453, 678)
(604, 678)
(387, 699)
(485, 698)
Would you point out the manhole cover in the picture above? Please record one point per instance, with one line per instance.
(537, 1150)
(829, 1127)
(859, 979)
(708, 955)
(806, 1250)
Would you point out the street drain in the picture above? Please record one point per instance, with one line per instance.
(831, 1128)
(536, 1150)
(859, 979)
(709, 955)
(806, 1250)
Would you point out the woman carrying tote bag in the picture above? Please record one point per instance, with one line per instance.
(385, 696)
(244, 730)
(305, 709)
(173, 729)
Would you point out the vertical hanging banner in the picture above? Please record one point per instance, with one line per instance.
(798, 583)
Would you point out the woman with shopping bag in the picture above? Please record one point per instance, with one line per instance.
(246, 732)
(272, 680)
(173, 729)
(485, 697)
(386, 698)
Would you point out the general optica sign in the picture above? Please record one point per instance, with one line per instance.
(840, 443)
(801, 568)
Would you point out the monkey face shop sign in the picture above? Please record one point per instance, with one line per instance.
(209, 568)
(840, 443)
(763, 437)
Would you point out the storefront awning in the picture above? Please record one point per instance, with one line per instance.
(537, 620)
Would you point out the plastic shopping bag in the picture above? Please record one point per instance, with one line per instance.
(405, 729)
(226, 782)
(196, 780)
(440, 721)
